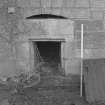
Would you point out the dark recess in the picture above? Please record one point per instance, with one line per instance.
(46, 16)
(49, 51)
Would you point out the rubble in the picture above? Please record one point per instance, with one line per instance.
(46, 89)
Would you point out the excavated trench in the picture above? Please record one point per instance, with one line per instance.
(54, 87)
(51, 90)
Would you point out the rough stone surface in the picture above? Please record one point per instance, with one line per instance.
(84, 6)
(68, 3)
(81, 3)
(97, 14)
(15, 49)
(98, 3)
(80, 13)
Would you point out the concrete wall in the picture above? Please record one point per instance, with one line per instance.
(51, 29)
(12, 25)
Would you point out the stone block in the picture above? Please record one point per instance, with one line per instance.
(35, 3)
(56, 3)
(7, 61)
(92, 40)
(91, 53)
(31, 11)
(94, 53)
(81, 3)
(46, 3)
(68, 3)
(47, 10)
(104, 22)
(66, 12)
(98, 3)
(12, 3)
(23, 3)
(51, 3)
(72, 66)
(56, 11)
(95, 25)
(2, 3)
(97, 15)
(80, 13)
(78, 25)
(3, 15)
(29, 3)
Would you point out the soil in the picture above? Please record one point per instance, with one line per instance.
(56, 90)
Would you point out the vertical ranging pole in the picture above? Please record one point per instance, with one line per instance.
(81, 76)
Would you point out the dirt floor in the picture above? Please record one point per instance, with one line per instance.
(52, 90)
(50, 97)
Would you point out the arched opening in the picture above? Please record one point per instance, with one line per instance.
(46, 16)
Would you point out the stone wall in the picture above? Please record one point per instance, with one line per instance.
(12, 25)
(75, 9)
